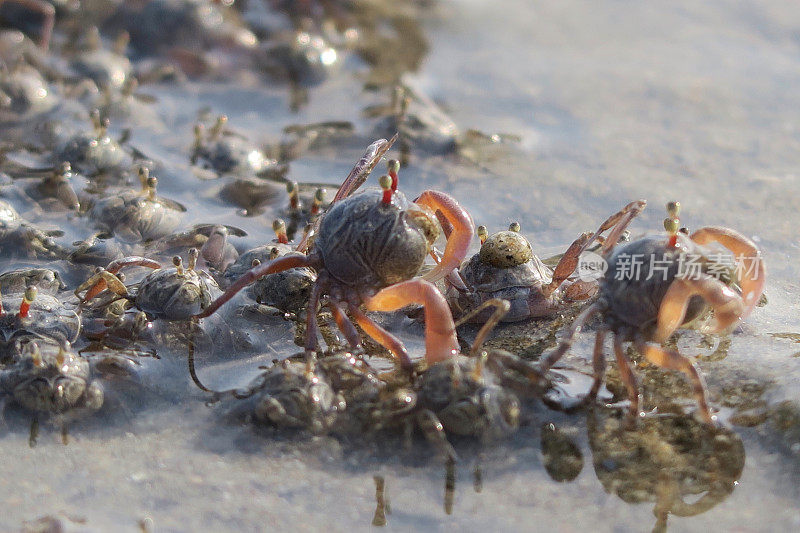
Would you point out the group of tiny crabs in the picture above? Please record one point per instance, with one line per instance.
(347, 269)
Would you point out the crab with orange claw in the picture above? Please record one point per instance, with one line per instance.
(507, 268)
(368, 250)
(175, 293)
(655, 285)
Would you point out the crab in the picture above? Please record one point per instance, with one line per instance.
(49, 377)
(507, 268)
(368, 249)
(106, 67)
(26, 313)
(18, 13)
(174, 293)
(56, 190)
(18, 238)
(655, 285)
(137, 215)
(24, 93)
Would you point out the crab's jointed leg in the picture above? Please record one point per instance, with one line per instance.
(629, 377)
(672, 360)
(440, 331)
(460, 238)
(382, 337)
(100, 280)
(276, 265)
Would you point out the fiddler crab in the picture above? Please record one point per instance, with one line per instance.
(657, 284)
(506, 267)
(175, 293)
(49, 377)
(137, 215)
(367, 249)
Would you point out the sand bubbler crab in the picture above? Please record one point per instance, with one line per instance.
(368, 249)
(646, 304)
(507, 268)
(175, 293)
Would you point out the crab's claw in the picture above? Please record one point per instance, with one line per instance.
(460, 237)
(750, 268)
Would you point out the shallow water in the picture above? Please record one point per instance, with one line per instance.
(613, 101)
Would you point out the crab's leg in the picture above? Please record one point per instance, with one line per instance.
(434, 433)
(547, 361)
(746, 251)
(618, 223)
(277, 265)
(312, 327)
(345, 326)
(568, 263)
(672, 360)
(598, 364)
(728, 306)
(629, 377)
(382, 337)
(501, 308)
(460, 237)
(440, 331)
(353, 181)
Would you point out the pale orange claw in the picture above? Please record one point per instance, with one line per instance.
(459, 239)
(749, 256)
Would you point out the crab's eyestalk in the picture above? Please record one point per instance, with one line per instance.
(279, 227)
(515, 227)
(63, 350)
(178, 262)
(294, 195)
(121, 43)
(36, 355)
(672, 223)
(27, 299)
(483, 233)
(102, 131)
(254, 263)
(274, 253)
(319, 198)
(394, 167)
(94, 116)
(144, 175)
(386, 184)
(218, 127)
(194, 253)
(152, 184)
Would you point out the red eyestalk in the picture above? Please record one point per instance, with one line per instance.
(394, 168)
(386, 184)
(319, 198)
(279, 227)
(27, 299)
(294, 195)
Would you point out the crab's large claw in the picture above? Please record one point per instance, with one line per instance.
(751, 270)
(460, 238)
(107, 278)
(440, 331)
(727, 304)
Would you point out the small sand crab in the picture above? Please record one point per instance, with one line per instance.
(367, 250)
(24, 93)
(507, 268)
(48, 377)
(137, 215)
(228, 153)
(18, 238)
(646, 305)
(55, 190)
(290, 394)
(93, 152)
(26, 313)
(175, 293)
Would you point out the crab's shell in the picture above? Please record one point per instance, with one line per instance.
(166, 294)
(364, 243)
